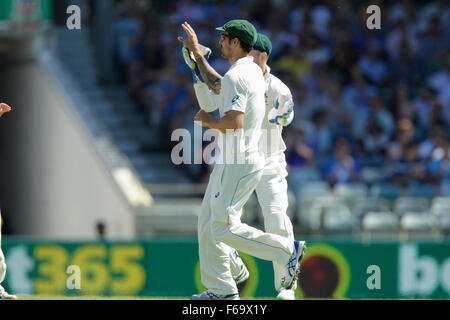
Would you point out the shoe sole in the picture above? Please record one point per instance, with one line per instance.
(228, 297)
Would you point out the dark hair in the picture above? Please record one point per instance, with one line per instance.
(245, 47)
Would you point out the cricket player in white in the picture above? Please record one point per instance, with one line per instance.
(242, 110)
(272, 188)
(3, 294)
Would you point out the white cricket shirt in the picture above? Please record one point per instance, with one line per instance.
(243, 90)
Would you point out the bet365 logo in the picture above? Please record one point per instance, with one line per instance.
(421, 275)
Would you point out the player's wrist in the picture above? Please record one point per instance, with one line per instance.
(197, 53)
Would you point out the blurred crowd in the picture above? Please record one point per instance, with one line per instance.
(371, 106)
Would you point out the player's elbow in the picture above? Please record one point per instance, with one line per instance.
(215, 90)
(238, 125)
(235, 120)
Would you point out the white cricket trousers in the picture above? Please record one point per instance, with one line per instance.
(273, 199)
(2, 261)
(220, 228)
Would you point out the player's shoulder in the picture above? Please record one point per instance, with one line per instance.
(245, 72)
(276, 84)
(246, 69)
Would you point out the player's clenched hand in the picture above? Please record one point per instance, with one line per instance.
(192, 41)
(201, 118)
(4, 108)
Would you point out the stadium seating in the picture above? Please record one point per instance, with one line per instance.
(370, 204)
(410, 204)
(350, 191)
(440, 209)
(371, 175)
(380, 221)
(412, 221)
(328, 213)
(385, 190)
(445, 188)
(421, 190)
(313, 189)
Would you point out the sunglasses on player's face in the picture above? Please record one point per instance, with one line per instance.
(225, 35)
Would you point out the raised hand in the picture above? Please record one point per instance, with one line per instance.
(192, 41)
(4, 108)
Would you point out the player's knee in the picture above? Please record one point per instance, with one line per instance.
(2, 269)
(279, 224)
(222, 229)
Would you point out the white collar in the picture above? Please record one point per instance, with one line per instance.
(242, 60)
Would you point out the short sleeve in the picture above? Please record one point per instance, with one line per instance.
(235, 94)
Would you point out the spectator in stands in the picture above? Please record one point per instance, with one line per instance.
(408, 168)
(376, 141)
(358, 92)
(385, 90)
(318, 133)
(300, 158)
(342, 168)
(440, 83)
(373, 64)
(423, 105)
(438, 168)
(405, 134)
(376, 112)
(433, 40)
(293, 61)
(403, 35)
(436, 143)
(301, 153)
(403, 106)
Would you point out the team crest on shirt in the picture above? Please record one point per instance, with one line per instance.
(235, 98)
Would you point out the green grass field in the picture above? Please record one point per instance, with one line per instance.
(43, 297)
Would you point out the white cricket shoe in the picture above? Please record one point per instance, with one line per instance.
(5, 295)
(293, 266)
(208, 295)
(286, 294)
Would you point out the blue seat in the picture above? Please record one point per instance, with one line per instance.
(421, 190)
(385, 190)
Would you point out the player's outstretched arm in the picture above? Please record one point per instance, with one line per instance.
(211, 77)
(205, 97)
(4, 108)
(232, 120)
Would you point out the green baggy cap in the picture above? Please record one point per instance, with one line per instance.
(263, 44)
(241, 29)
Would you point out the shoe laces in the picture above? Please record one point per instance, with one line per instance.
(292, 264)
